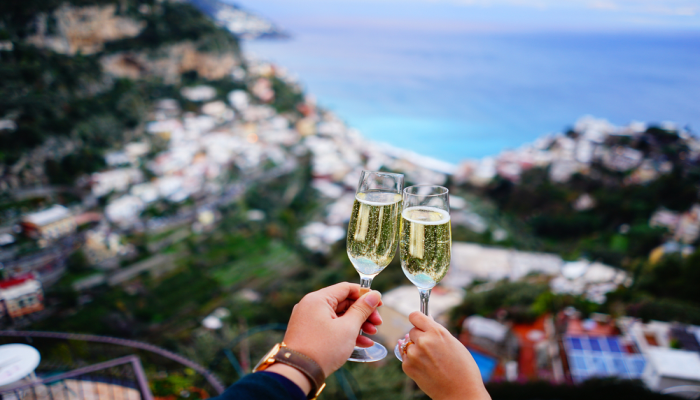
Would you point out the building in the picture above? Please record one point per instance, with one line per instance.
(117, 180)
(669, 368)
(101, 244)
(666, 367)
(475, 262)
(20, 296)
(50, 224)
(489, 336)
(124, 210)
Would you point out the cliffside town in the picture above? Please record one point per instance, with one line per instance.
(152, 178)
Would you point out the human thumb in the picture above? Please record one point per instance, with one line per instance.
(363, 308)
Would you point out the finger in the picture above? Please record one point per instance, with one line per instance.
(364, 341)
(369, 328)
(410, 353)
(375, 318)
(341, 291)
(416, 334)
(343, 305)
(358, 313)
(422, 321)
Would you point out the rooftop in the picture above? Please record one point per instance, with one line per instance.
(674, 363)
(48, 216)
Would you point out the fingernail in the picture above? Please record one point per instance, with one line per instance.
(373, 298)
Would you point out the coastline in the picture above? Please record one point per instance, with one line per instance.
(477, 95)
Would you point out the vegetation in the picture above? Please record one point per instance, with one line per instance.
(171, 22)
(51, 95)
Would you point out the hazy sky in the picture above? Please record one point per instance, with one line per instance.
(579, 15)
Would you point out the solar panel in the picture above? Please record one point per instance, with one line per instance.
(614, 345)
(619, 366)
(595, 345)
(601, 357)
(576, 343)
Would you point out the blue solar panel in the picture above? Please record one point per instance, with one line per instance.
(614, 345)
(578, 363)
(619, 366)
(576, 343)
(595, 345)
(598, 365)
(601, 356)
(636, 366)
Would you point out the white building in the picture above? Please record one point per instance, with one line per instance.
(49, 224)
(486, 328)
(471, 261)
(198, 93)
(147, 192)
(124, 210)
(318, 236)
(667, 368)
(117, 180)
(21, 296)
(239, 99)
(116, 158)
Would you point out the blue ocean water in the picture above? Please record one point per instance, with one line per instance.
(454, 95)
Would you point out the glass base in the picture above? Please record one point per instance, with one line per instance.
(397, 353)
(368, 354)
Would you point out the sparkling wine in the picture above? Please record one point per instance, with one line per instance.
(373, 231)
(426, 242)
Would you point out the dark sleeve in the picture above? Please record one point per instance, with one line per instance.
(263, 385)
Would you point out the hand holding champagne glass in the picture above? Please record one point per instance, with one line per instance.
(425, 241)
(373, 235)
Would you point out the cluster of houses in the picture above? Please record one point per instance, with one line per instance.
(207, 155)
(562, 348)
(565, 347)
(566, 155)
(685, 228)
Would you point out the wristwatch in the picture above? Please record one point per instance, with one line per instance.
(282, 354)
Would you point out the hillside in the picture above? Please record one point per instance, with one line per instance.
(76, 78)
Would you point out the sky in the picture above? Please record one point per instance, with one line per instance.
(490, 15)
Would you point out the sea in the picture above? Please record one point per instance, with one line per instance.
(456, 95)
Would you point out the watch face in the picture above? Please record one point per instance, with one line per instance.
(264, 361)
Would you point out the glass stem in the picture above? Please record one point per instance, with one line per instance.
(365, 282)
(424, 297)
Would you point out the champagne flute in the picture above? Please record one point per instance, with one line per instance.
(372, 237)
(425, 240)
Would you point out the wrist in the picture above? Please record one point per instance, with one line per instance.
(469, 394)
(293, 375)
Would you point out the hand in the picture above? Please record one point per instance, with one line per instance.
(439, 364)
(325, 324)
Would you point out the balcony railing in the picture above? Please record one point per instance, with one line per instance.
(119, 379)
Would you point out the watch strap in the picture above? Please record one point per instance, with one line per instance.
(305, 365)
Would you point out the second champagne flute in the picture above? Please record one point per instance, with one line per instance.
(425, 242)
(372, 236)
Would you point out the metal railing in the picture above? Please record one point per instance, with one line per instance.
(72, 385)
(208, 375)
